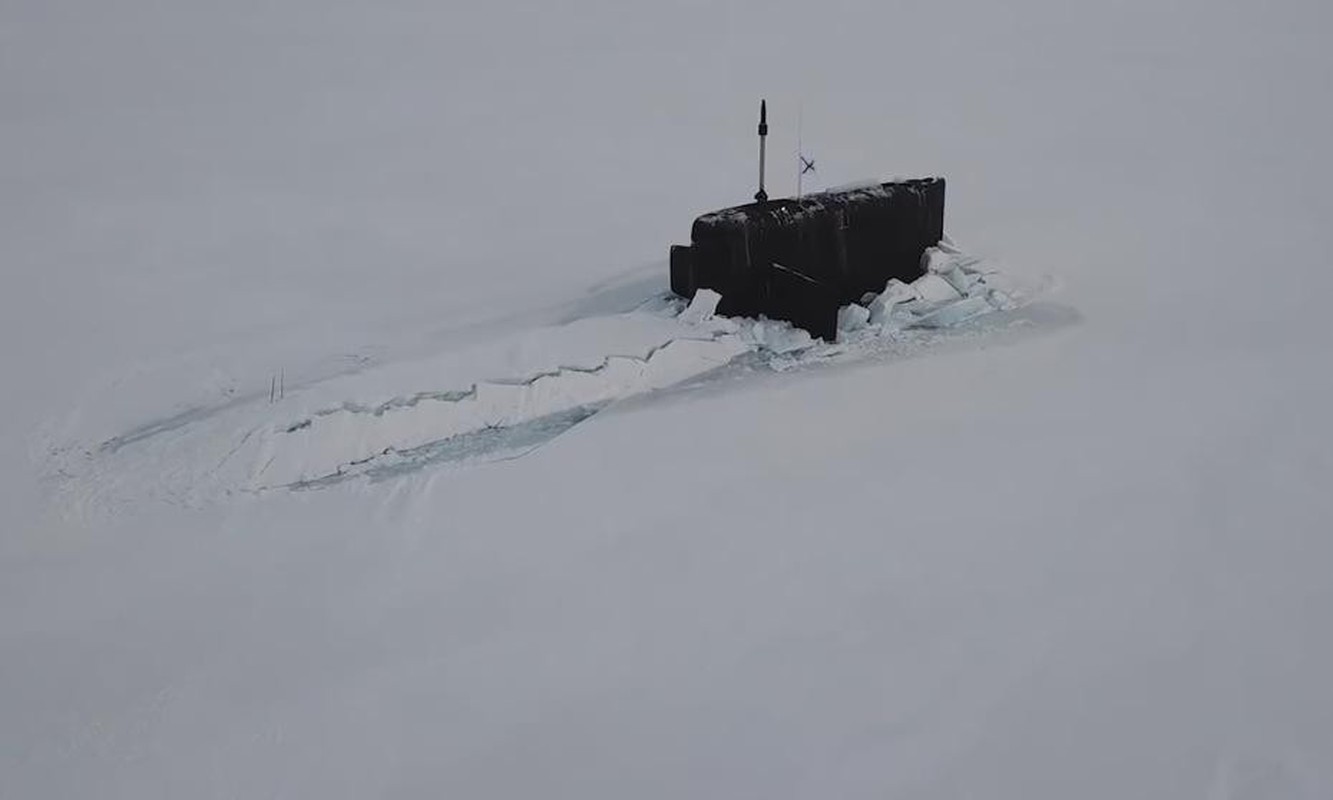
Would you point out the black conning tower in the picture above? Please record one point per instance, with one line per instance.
(801, 259)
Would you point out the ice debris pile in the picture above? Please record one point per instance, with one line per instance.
(954, 289)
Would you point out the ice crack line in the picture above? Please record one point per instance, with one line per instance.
(167, 425)
(491, 443)
(458, 396)
(482, 431)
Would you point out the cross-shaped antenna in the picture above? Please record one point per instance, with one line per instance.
(803, 164)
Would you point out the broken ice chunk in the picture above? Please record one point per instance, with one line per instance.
(701, 308)
(895, 292)
(934, 289)
(952, 314)
(852, 318)
(962, 281)
(779, 337)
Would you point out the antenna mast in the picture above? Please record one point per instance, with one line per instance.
(761, 196)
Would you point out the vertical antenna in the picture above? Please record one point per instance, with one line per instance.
(800, 152)
(761, 196)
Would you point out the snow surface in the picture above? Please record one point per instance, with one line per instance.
(1082, 553)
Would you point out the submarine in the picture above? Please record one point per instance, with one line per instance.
(801, 259)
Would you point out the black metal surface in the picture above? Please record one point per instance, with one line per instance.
(801, 259)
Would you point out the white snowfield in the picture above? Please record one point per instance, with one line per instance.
(496, 398)
(518, 525)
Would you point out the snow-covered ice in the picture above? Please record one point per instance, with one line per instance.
(1074, 548)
